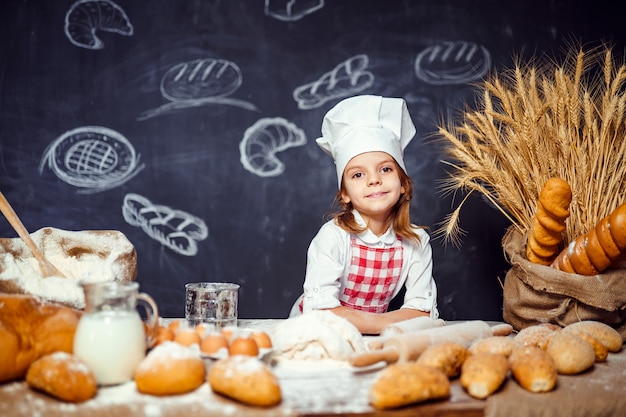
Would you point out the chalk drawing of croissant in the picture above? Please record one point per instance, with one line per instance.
(86, 17)
(347, 78)
(199, 82)
(263, 140)
(175, 229)
(291, 10)
(93, 158)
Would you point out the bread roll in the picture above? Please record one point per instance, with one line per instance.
(533, 369)
(570, 353)
(604, 333)
(406, 383)
(600, 351)
(245, 379)
(534, 335)
(483, 373)
(63, 376)
(496, 344)
(31, 328)
(169, 369)
(448, 357)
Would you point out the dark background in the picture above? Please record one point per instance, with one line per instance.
(258, 227)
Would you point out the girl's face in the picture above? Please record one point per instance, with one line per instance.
(371, 182)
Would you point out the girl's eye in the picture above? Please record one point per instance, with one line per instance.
(386, 169)
(357, 175)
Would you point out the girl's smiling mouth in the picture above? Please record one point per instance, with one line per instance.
(377, 194)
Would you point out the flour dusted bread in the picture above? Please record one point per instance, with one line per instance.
(62, 376)
(407, 383)
(570, 353)
(31, 328)
(604, 333)
(245, 379)
(533, 369)
(483, 373)
(448, 357)
(169, 369)
(501, 345)
(105, 255)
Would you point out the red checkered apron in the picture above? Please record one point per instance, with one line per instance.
(372, 277)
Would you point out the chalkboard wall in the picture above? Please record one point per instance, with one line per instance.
(205, 113)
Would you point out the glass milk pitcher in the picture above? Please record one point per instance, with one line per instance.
(110, 336)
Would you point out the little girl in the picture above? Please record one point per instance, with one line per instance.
(361, 258)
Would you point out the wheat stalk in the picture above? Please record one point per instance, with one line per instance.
(540, 121)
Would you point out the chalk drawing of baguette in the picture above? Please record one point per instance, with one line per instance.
(85, 17)
(346, 79)
(175, 229)
(197, 83)
(457, 62)
(263, 140)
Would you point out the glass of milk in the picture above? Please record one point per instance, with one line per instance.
(110, 336)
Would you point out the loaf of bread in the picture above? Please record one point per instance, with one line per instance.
(407, 383)
(536, 335)
(596, 250)
(604, 333)
(448, 357)
(500, 345)
(170, 368)
(548, 223)
(103, 255)
(600, 351)
(533, 369)
(245, 379)
(31, 328)
(62, 376)
(570, 353)
(483, 373)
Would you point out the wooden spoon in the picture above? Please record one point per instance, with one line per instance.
(47, 269)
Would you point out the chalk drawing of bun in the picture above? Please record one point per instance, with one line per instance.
(347, 78)
(85, 17)
(452, 63)
(93, 158)
(201, 78)
(197, 83)
(176, 229)
(263, 140)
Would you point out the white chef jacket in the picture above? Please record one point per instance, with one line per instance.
(328, 262)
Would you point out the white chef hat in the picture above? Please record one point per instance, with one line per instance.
(366, 124)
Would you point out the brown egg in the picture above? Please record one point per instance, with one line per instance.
(228, 332)
(244, 346)
(187, 337)
(213, 342)
(174, 325)
(164, 334)
(262, 339)
(202, 329)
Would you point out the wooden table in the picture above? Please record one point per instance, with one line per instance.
(340, 392)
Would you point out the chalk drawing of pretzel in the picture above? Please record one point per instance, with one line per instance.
(85, 17)
(175, 229)
(345, 79)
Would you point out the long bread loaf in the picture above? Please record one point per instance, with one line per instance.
(548, 223)
(593, 252)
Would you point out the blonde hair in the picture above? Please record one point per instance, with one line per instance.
(400, 213)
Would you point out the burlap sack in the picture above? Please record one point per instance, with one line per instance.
(536, 293)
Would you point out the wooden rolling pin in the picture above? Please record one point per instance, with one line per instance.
(408, 346)
(402, 327)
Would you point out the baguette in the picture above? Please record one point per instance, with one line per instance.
(406, 383)
(483, 373)
(596, 250)
(448, 357)
(533, 369)
(548, 223)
